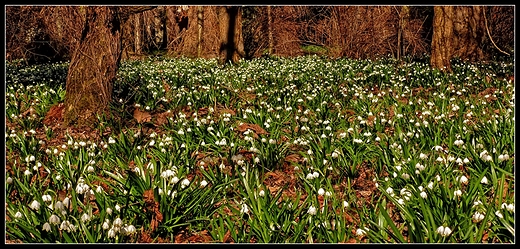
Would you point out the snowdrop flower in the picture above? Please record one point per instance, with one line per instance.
(106, 224)
(27, 172)
(109, 211)
(130, 229)
(358, 141)
(508, 207)
(35, 205)
(321, 191)
(503, 157)
(484, 180)
(361, 232)
(111, 140)
(67, 226)
(345, 204)
(261, 193)
(244, 209)
(46, 227)
(204, 183)
(46, 198)
(85, 217)
(477, 217)
(18, 215)
(312, 210)
(423, 195)
(443, 231)
(9, 180)
(54, 219)
(463, 179)
(458, 142)
(457, 193)
(185, 183)
(117, 222)
(111, 233)
(390, 191)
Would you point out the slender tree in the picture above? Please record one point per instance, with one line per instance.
(94, 63)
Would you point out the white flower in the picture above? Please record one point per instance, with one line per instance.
(244, 209)
(185, 183)
(18, 215)
(111, 233)
(46, 227)
(345, 204)
(457, 193)
(321, 191)
(423, 194)
(499, 214)
(312, 210)
(477, 216)
(443, 231)
(35, 205)
(360, 232)
(261, 193)
(54, 219)
(463, 179)
(85, 217)
(130, 229)
(111, 140)
(46, 198)
(117, 222)
(117, 207)
(106, 224)
(109, 211)
(27, 172)
(9, 180)
(484, 180)
(204, 183)
(389, 190)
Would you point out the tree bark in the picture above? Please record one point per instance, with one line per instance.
(231, 39)
(458, 31)
(200, 22)
(270, 46)
(94, 64)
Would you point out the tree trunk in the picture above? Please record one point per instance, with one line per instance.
(231, 39)
(200, 20)
(94, 64)
(138, 48)
(469, 32)
(442, 40)
(458, 31)
(270, 40)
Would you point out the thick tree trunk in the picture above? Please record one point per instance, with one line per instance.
(93, 67)
(469, 32)
(458, 31)
(94, 63)
(231, 39)
(442, 40)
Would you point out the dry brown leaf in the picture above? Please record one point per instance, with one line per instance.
(142, 116)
